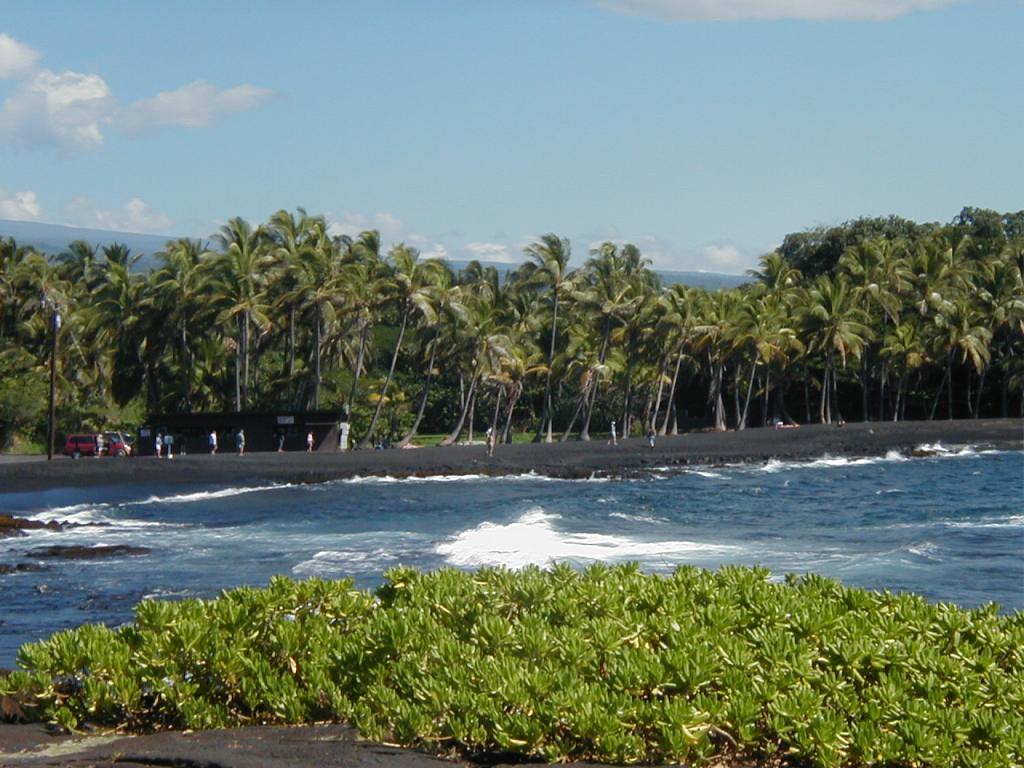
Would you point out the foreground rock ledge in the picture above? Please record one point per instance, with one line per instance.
(326, 746)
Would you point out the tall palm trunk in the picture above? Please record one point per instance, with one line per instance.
(595, 384)
(423, 400)
(750, 390)
(629, 392)
(718, 374)
(186, 368)
(497, 413)
(653, 422)
(946, 381)
(245, 361)
(291, 342)
(672, 393)
(736, 394)
(470, 396)
(575, 415)
(981, 385)
(387, 381)
(506, 433)
(363, 333)
(825, 410)
(545, 414)
(865, 384)
(316, 358)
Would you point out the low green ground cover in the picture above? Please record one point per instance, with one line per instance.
(608, 664)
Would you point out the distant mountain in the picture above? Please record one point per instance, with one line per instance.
(709, 280)
(55, 238)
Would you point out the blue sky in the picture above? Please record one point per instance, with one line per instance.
(701, 130)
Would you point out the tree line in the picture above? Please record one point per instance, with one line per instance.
(875, 319)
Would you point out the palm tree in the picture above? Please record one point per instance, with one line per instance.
(179, 286)
(762, 330)
(864, 265)
(904, 348)
(409, 281)
(837, 327)
(291, 235)
(550, 271)
(447, 306)
(716, 312)
(1001, 296)
(958, 329)
(239, 287)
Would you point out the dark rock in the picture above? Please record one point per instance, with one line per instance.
(75, 552)
(16, 526)
(20, 568)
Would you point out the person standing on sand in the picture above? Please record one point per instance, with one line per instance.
(309, 442)
(490, 441)
(280, 442)
(240, 442)
(651, 434)
(158, 446)
(212, 439)
(613, 440)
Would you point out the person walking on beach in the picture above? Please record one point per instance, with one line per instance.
(651, 435)
(280, 442)
(212, 439)
(613, 440)
(158, 446)
(240, 442)
(490, 441)
(309, 442)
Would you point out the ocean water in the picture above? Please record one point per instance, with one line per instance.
(949, 527)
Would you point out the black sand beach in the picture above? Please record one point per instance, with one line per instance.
(333, 745)
(571, 459)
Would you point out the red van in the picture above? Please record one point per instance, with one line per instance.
(102, 444)
(77, 446)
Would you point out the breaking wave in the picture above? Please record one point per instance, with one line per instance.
(532, 539)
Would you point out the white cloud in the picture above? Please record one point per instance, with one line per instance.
(133, 216)
(16, 59)
(195, 105)
(21, 206)
(71, 110)
(65, 109)
(723, 256)
(392, 229)
(498, 252)
(732, 10)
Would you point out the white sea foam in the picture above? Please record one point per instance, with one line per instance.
(186, 498)
(926, 550)
(638, 518)
(80, 514)
(1011, 521)
(333, 562)
(707, 473)
(832, 462)
(533, 540)
(413, 480)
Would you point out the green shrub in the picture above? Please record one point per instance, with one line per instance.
(608, 665)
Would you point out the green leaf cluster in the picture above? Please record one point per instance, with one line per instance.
(608, 664)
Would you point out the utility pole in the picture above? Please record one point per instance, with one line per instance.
(52, 426)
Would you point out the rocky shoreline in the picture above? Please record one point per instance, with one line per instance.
(571, 459)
